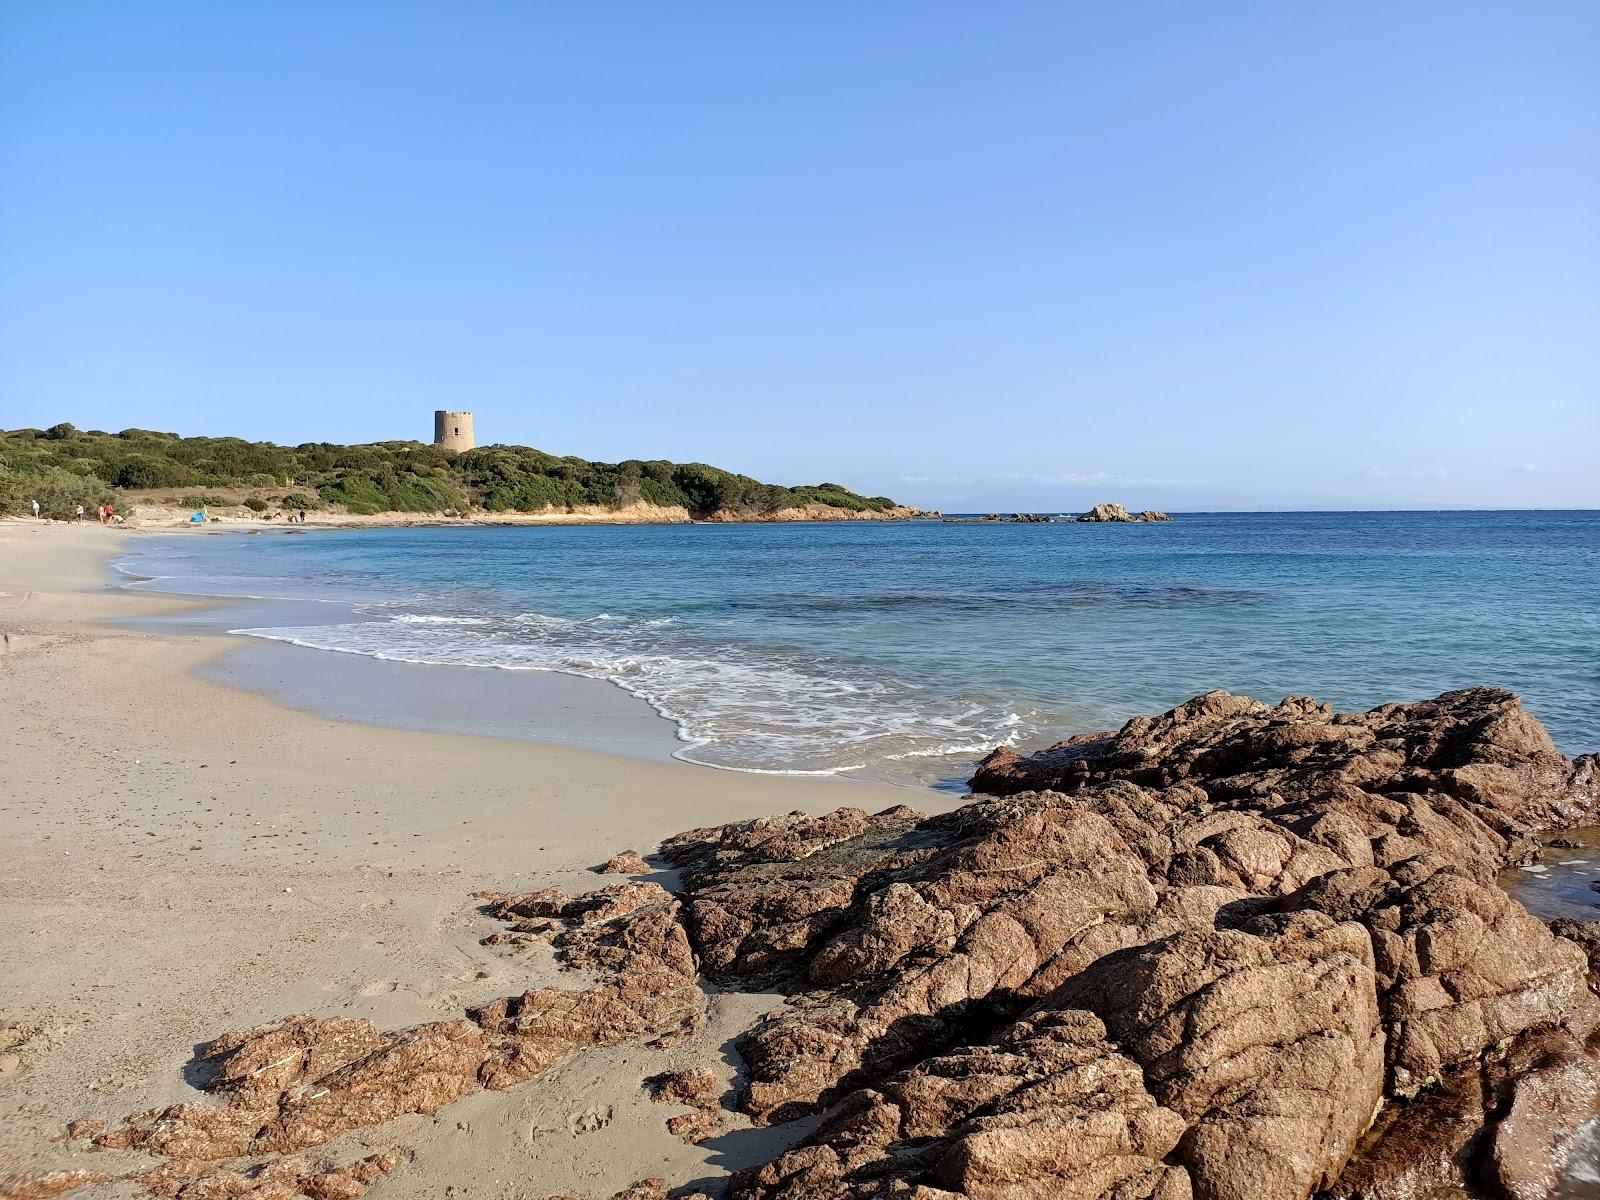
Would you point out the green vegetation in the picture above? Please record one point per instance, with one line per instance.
(58, 492)
(63, 466)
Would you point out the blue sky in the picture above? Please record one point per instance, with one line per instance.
(1223, 255)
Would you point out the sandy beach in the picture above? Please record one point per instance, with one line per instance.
(184, 858)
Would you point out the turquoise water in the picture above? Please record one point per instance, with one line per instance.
(904, 651)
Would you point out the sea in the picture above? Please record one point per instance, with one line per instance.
(903, 652)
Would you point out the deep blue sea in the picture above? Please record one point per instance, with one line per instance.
(905, 651)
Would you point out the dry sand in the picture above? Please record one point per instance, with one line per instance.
(181, 858)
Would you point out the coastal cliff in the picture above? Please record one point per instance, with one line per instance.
(1228, 951)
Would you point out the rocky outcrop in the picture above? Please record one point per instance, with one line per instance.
(630, 934)
(627, 862)
(317, 1079)
(303, 1081)
(644, 1189)
(1461, 966)
(1284, 918)
(697, 1090)
(283, 1179)
(1586, 934)
(1049, 1109)
(1468, 775)
(42, 1185)
(1265, 1039)
(1115, 513)
(1231, 952)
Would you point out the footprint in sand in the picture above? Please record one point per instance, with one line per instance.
(589, 1120)
(380, 987)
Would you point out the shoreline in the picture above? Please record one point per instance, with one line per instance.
(144, 514)
(545, 705)
(188, 858)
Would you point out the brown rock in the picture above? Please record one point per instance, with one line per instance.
(1553, 1093)
(628, 862)
(692, 1128)
(282, 1179)
(269, 1059)
(1468, 771)
(1107, 512)
(1032, 893)
(1050, 1110)
(1286, 918)
(697, 1088)
(302, 1081)
(191, 1131)
(1587, 936)
(763, 890)
(41, 1185)
(1266, 1040)
(1461, 966)
(1421, 1148)
(418, 1070)
(631, 935)
(1285, 915)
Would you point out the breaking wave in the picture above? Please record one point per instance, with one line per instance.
(736, 707)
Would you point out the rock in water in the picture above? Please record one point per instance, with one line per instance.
(1115, 513)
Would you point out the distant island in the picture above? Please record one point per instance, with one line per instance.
(150, 473)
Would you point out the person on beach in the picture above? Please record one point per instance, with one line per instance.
(78, 516)
(100, 513)
(35, 510)
(111, 514)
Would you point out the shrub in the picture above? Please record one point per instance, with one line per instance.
(256, 504)
(58, 492)
(152, 473)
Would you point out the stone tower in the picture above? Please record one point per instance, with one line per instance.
(453, 430)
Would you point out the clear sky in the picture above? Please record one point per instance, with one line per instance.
(974, 255)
